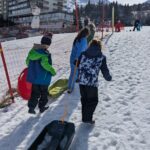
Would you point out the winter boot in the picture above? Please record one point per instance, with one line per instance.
(43, 109)
(31, 111)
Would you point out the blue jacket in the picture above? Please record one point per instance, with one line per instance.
(40, 68)
(77, 49)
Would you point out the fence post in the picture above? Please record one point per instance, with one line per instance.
(113, 19)
(103, 9)
(6, 73)
(77, 16)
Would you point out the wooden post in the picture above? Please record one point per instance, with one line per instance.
(113, 19)
(102, 19)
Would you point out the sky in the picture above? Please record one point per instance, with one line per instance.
(130, 2)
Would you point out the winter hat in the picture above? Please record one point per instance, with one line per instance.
(46, 40)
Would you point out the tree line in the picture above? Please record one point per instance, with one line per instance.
(125, 13)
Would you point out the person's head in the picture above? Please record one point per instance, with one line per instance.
(92, 27)
(46, 41)
(96, 42)
(83, 33)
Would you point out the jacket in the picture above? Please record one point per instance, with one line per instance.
(39, 64)
(90, 63)
(77, 49)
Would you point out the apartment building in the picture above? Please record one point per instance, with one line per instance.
(53, 14)
(3, 9)
(20, 11)
(55, 5)
(0, 8)
(56, 21)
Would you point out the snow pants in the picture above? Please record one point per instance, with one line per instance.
(89, 101)
(38, 96)
(73, 77)
(138, 28)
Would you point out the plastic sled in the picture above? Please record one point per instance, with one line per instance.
(56, 89)
(55, 136)
(24, 87)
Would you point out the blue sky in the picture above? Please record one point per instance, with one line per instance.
(130, 2)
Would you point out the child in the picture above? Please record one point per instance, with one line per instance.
(90, 63)
(79, 45)
(40, 71)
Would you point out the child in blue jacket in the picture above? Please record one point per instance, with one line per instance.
(91, 62)
(40, 71)
(79, 45)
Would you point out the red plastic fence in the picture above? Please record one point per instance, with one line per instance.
(6, 73)
(15, 53)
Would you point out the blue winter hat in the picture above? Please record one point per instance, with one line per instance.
(46, 40)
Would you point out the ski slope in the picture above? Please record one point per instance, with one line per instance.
(122, 115)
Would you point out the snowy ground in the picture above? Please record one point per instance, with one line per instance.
(122, 115)
(16, 52)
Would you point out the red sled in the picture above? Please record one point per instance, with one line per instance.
(24, 87)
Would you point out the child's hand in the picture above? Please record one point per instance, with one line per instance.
(53, 72)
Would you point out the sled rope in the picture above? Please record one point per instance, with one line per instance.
(65, 114)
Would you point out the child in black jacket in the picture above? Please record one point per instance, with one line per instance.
(90, 63)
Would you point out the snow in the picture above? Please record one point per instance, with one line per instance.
(122, 115)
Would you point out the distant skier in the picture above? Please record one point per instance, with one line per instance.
(79, 45)
(90, 63)
(40, 71)
(137, 25)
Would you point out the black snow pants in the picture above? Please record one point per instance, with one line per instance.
(38, 96)
(89, 101)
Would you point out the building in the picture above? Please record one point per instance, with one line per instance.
(55, 5)
(3, 9)
(19, 11)
(53, 15)
(57, 21)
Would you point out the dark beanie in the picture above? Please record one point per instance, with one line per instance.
(46, 40)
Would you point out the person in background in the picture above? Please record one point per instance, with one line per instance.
(137, 25)
(40, 72)
(79, 45)
(89, 65)
(118, 26)
(86, 21)
(92, 28)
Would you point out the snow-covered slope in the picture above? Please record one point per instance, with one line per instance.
(122, 115)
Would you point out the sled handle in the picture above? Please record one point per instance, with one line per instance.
(21, 74)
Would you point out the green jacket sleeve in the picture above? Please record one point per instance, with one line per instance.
(33, 55)
(45, 64)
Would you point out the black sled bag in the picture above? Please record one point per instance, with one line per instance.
(57, 135)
